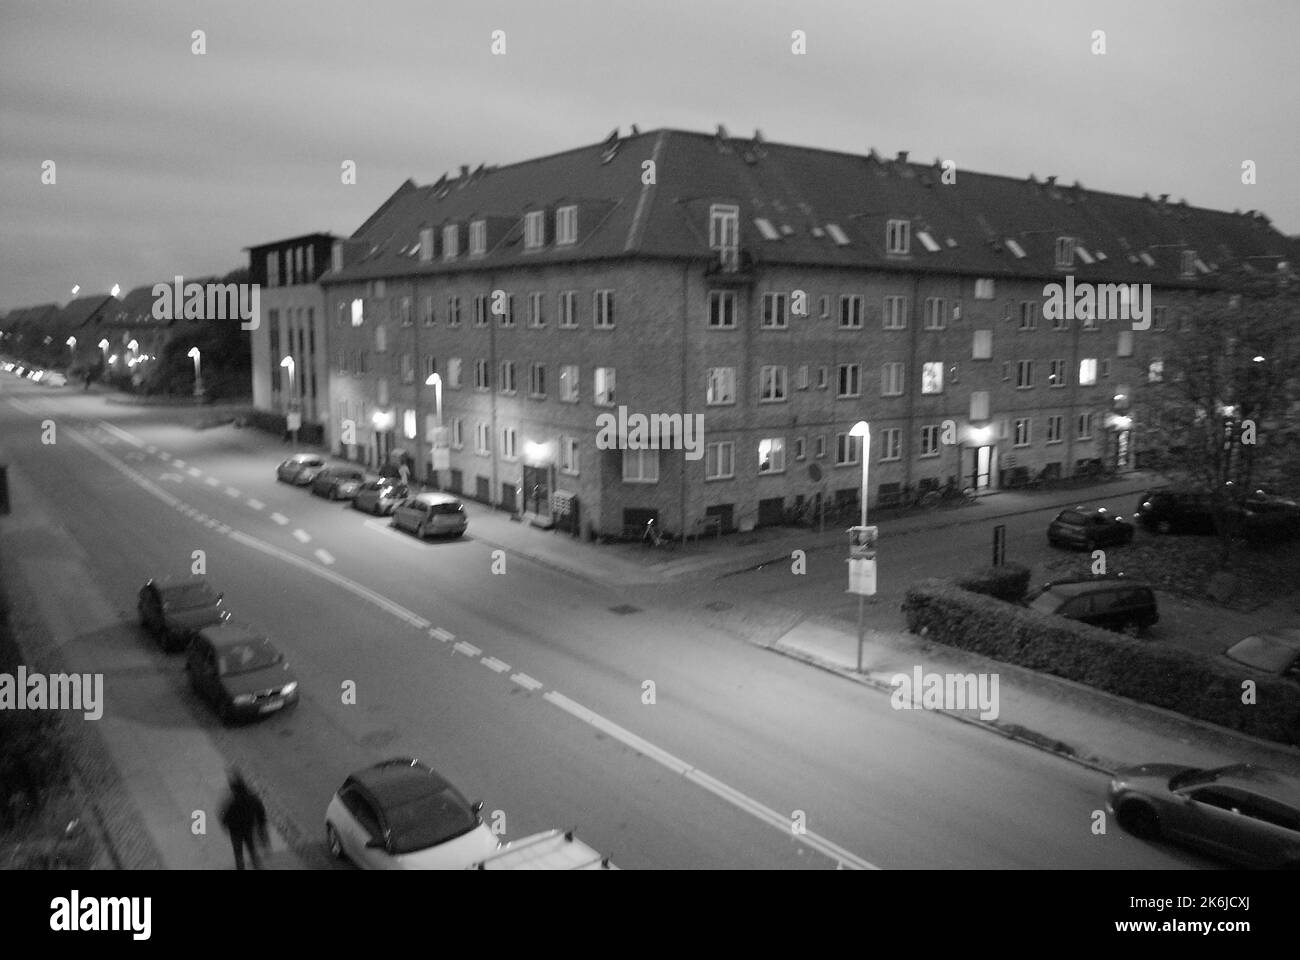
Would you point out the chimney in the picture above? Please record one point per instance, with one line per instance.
(902, 156)
(1164, 198)
(1051, 181)
(636, 131)
(464, 170)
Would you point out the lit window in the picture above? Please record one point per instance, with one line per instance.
(984, 288)
(604, 387)
(932, 377)
(1087, 371)
(771, 455)
(721, 388)
(982, 345)
(358, 312)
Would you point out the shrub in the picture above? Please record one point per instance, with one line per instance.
(1008, 581)
(29, 767)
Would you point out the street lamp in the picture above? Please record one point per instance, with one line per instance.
(435, 459)
(862, 429)
(288, 364)
(198, 378)
(72, 350)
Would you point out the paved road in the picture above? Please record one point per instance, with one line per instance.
(539, 703)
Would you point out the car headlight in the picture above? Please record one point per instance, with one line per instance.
(289, 688)
(243, 700)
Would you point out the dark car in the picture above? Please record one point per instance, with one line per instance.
(1168, 510)
(1089, 529)
(1114, 603)
(1246, 814)
(1275, 652)
(1270, 517)
(300, 469)
(380, 496)
(338, 483)
(175, 609)
(240, 672)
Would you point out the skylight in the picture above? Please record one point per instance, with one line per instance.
(1146, 258)
(1200, 265)
(927, 241)
(818, 232)
(1100, 255)
(1016, 249)
(1083, 254)
(837, 234)
(766, 229)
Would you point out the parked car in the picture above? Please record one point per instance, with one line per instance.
(431, 515)
(380, 496)
(1246, 814)
(1115, 603)
(1089, 529)
(300, 469)
(1270, 517)
(1168, 510)
(175, 609)
(1275, 652)
(401, 815)
(338, 483)
(241, 672)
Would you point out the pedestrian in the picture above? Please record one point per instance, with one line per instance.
(244, 818)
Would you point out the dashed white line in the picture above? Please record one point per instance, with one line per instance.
(440, 634)
(525, 681)
(325, 557)
(256, 505)
(232, 492)
(151, 448)
(466, 648)
(302, 536)
(192, 471)
(178, 464)
(165, 456)
(212, 482)
(492, 663)
(280, 518)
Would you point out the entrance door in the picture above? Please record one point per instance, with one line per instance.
(983, 474)
(1122, 452)
(537, 490)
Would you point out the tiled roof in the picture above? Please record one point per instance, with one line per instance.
(78, 312)
(975, 225)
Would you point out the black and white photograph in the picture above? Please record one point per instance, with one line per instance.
(675, 436)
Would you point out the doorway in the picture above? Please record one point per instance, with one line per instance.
(982, 473)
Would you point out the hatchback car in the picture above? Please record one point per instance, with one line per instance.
(401, 815)
(175, 609)
(1089, 529)
(1276, 652)
(1246, 814)
(381, 496)
(240, 672)
(338, 483)
(300, 469)
(1114, 603)
(431, 515)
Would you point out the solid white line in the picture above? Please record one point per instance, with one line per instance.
(119, 432)
(466, 648)
(325, 557)
(257, 504)
(280, 518)
(302, 536)
(232, 492)
(524, 680)
(440, 634)
(713, 785)
(492, 663)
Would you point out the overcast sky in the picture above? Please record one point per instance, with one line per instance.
(170, 163)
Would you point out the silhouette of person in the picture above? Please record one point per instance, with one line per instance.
(244, 817)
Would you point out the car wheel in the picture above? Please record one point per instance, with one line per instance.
(1139, 819)
(334, 843)
(419, 531)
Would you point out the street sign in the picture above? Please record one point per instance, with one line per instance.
(862, 577)
(294, 421)
(862, 542)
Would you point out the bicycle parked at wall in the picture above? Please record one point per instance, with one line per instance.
(949, 495)
(652, 536)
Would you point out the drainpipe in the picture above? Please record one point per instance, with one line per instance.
(492, 392)
(684, 388)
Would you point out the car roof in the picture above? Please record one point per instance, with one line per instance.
(399, 780)
(1091, 586)
(1265, 781)
(304, 457)
(428, 497)
(228, 634)
(178, 581)
(1272, 650)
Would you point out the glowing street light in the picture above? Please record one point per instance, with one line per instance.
(865, 546)
(198, 378)
(291, 417)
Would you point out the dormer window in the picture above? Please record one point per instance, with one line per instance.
(566, 225)
(534, 229)
(724, 226)
(478, 238)
(426, 243)
(450, 242)
(898, 236)
(1065, 251)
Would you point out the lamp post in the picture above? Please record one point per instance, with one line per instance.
(198, 377)
(435, 380)
(72, 350)
(291, 415)
(862, 429)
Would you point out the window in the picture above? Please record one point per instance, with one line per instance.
(774, 311)
(381, 338)
(930, 440)
(534, 229)
(640, 466)
(1084, 426)
(850, 380)
(535, 318)
(771, 384)
(1065, 251)
(891, 443)
(481, 377)
(408, 368)
(720, 460)
(1160, 320)
(1089, 318)
(480, 310)
(801, 377)
(1125, 346)
(1155, 371)
(603, 309)
(848, 449)
(430, 366)
(1188, 263)
(1054, 423)
(722, 309)
(771, 455)
(342, 313)
(819, 445)
(569, 456)
(568, 306)
(1087, 371)
(1028, 314)
(409, 424)
(426, 311)
(273, 268)
(536, 379)
(799, 451)
(979, 405)
(824, 306)
(478, 238)
(507, 305)
(569, 383)
(891, 380)
(1022, 432)
(932, 377)
(453, 311)
(898, 236)
(724, 226)
(457, 435)
(1056, 373)
(895, 313)
(566, 225)
(506, 377)
(381, 391)
(603, 389)
(358, 312)
(1024, 374)
(851, 312)
(363, 362)
(450, 242)
(982, 345)
(823, 378)
(934, 313)
(984, 289)
(482, 439)
(426, 244)
(721, 387)
(1060, 321)
(509, 443)
(403, 305)
(453, 373)
(1105, 368)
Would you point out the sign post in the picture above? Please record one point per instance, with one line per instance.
(862, 574)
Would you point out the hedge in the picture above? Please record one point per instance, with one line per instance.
(1009, 582)
(1186, 682)
(311, 434)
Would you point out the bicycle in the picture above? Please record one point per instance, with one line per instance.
(651, 536)
(950, 494)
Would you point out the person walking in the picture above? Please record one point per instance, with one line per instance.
(244, 817)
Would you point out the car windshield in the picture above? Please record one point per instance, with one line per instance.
(1070, 516)
(447, 508)
(1192, 778)
(429, 820)
(245, 657)
(189, 595)
(1045, 602)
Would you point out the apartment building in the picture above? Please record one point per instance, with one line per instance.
(506, 317)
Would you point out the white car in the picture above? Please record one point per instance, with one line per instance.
(401, 815)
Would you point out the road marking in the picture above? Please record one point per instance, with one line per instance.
(164, 456)
(178, 464)
(257, 504)
(193, 471)
(280, 518)
(417, 621)
(525, 681)
(440, 634)
(381, 526)
(151, 448)
(232, 492)
(119, 432)
(325, 557)
(733, 796)
(212, 482)
(460, 646)
(492, 663)
(302, 536)
(171, 476)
